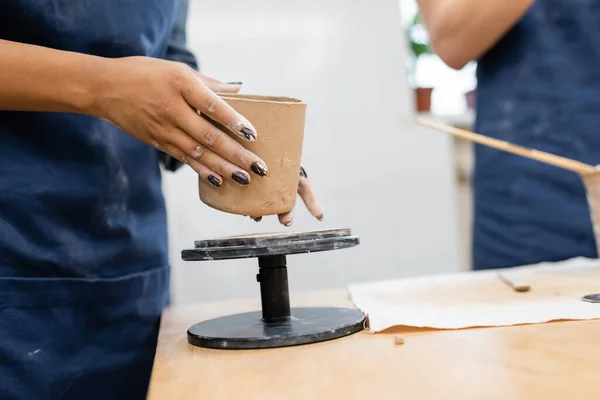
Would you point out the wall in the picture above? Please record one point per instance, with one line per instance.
(389, 181)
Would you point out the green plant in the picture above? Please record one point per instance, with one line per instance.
(417, 35)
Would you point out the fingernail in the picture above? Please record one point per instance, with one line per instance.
(234, 83)
(214, 180)
(259, 168)
(244, 128)
(290, 223)
(303, 172)
(321, 218)
(258, 219)
(248, 134)
(241, 178)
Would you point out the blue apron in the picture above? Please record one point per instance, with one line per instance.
(538, 87)
(84, 272)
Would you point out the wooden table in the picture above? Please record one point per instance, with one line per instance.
(548, 361)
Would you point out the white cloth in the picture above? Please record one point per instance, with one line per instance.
(479, 299)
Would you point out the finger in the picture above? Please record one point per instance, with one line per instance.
(229, 87)
(206, 173)
(221, 143)
(307, 192)
(201, 98)
(203, 171)
(218, 86)
(286, 219)
(208, 158)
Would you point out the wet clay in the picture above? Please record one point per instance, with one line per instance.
(279, 122)
(592, 188)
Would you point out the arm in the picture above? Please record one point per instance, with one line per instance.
(36, 78)
(155, 101)
(152, 100)
(463, 30)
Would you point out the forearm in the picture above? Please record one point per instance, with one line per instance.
(463, 30)
(36, 78)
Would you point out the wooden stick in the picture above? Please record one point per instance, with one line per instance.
(557, 161)
(517, 286)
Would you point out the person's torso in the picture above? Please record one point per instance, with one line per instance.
(78, 197)
(538, 87)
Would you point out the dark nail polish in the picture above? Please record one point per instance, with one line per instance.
(303, 172)
(214, 180)
(241, 178)
(234, 83)
(259, 169)
(258, 219)
(248, 134)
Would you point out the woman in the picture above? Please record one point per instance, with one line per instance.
(538, 86)
(88, 99)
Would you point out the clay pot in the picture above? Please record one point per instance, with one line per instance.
(279, 122)
(470, 99)
(423, 99)
(592, 187)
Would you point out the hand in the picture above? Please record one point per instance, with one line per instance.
(308, 194)
(158, 102)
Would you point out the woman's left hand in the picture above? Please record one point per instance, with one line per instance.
(308, 194)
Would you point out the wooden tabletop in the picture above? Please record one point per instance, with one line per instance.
(548, 361)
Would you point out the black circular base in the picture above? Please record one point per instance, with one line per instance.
(592, 298)
(248, 331)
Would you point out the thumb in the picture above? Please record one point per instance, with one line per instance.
(218, 86)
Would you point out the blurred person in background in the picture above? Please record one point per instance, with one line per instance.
(538, 85)
(91, 106)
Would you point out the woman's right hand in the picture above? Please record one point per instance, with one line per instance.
(158, 102)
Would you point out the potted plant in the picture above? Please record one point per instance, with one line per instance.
(419, 44)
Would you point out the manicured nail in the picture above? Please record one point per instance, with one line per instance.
(241, 178)
(214, 180)
(234, 83)
(290, 223)
(259, 168)
(243, 128)
(258, 219)
(248, 134)
(303, 172)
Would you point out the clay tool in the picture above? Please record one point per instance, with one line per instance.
(533, 154)
(592, 298)
(517, 286)
(277, 324)
(588, 173)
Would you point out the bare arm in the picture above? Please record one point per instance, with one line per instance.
(463, 30)
(36, 78)
(153, 100)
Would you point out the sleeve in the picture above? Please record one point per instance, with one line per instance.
(178, 51)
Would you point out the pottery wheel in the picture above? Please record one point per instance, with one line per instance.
(276, 325)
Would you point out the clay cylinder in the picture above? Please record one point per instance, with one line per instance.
(592, 188)
(279, 122)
